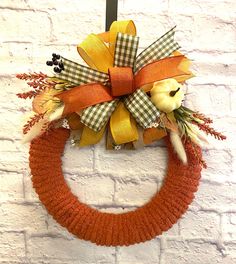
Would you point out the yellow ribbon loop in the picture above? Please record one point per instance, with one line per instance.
(95, 53)
(90, 137)
(105, 36)
(123, 127)
(126, 27)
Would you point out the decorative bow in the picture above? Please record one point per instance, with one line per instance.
(116, 83)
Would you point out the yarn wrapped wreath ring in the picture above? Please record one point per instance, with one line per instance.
(110, 229)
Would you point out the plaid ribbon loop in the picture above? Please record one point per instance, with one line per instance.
(95, 117)
(79, 74)
(125, 50)
(141, 108)
(161, 48)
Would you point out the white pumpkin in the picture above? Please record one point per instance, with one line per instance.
(167, 95)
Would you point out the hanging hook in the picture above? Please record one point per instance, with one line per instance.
(111, 12)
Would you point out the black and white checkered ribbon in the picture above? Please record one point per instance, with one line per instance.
(141, 108)
(95, 117)
(79, 74)
(125, 50)
(161, 48)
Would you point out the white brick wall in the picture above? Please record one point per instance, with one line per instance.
(29, 32)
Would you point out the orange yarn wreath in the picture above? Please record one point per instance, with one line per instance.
(144, 223)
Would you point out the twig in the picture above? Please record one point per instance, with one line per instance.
(31, 76)
(31, 122)
(211, 131)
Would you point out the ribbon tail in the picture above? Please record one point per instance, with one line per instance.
(91, 137)
(123, 127)
(142, 109)
(184, 66)
(153, 134)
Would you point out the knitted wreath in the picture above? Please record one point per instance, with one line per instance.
(134, 101)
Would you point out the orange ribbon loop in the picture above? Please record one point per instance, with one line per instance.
(84, 96)
(159, 70)
(121, 80)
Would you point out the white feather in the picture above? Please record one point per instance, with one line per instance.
(34, 131)
(194, 138)
(57, 114)
(199, 133)
(178, 146)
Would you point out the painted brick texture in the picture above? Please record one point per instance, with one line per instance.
(114, 182)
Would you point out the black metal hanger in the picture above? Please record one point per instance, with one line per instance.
(111, 12)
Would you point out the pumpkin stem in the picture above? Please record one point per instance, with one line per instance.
(172, 93)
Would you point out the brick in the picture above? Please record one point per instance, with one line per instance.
(11, 186)
(21, 217)
(20, 26)
(223, 9)
(216, 28)
(216, 196)
(207, 66)
(233, 98)
(126, 7)
(12, 247)
(10, 162)
(145, 26)
(142, 162)
(200, 224)
(209, 99)
(143, 253)
(50, 6)
(234, 166)
(8, 145)
(217, 173)
(134, 194)
(15, 58)
(228, 226)
(184, 32)
(95, 190)
(54, 248)
(230, 253)
(78, 29)
(224, 62)
(184, 252)
(162, 24)
(76, 161)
